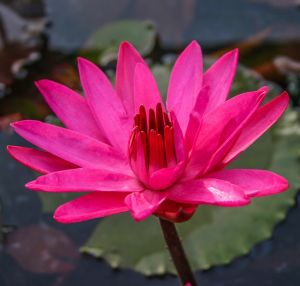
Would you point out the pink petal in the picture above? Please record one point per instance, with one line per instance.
(138, 162)
(145, 88)
(185, 83)
(144, 203)
(196, 116)
(90, 206)
(178, 139)
(71, 146)
(219, 78)
(165, 177)
(106, 106)
(260, 122)
(210, 192)
(216, 159)
(219, 128)
(256, 183)
(70, 107)
(82, 180)
(127, 59)
(40, 161)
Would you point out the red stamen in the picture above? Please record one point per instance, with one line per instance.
(160, 119)
(160, 151)
(153, 151)
(152, 144)
(144, 140)
(137, 120)
(152, 123)
(143, 119)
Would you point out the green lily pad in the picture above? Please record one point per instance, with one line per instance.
(103, 45)
(215, 235)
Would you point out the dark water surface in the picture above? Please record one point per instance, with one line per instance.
(35, 250)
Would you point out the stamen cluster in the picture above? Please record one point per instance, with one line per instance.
(151, 145)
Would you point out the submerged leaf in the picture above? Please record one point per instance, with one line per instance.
(102, 46)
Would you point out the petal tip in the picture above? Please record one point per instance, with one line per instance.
(195, 43)
(45, 86)
(193, 47)
(264, 89)
(13, 125)
(9, 148)
(137, 217)
(236, 51)
(31, 185)
(284, 183)
(126, 45)
(83, 62)
(22, 123)
(57, 216)
(38, 83)
(81, 59)
(126, 48)
(232, 56)
(41, 82)
(285, 96)
(235, 54)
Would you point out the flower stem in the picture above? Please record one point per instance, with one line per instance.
(176, 250)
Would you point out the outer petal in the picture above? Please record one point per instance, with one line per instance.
(81, 180)
(127, 59)
(142, 204)
(219, 128)
(90, 206)
(219, 78)
(40, 161)
(105, 104)
(71, 146)
(165, 177)
(210, 192)
(185, 83)
(256, 183)
(260, 122)
(145, 88)
(70, 107)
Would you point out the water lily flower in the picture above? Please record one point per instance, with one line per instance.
(131, 152)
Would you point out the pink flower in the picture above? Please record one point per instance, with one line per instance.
(131, 153)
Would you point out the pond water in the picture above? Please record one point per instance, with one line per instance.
(35, 250)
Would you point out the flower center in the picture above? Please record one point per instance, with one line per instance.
(151, 145)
